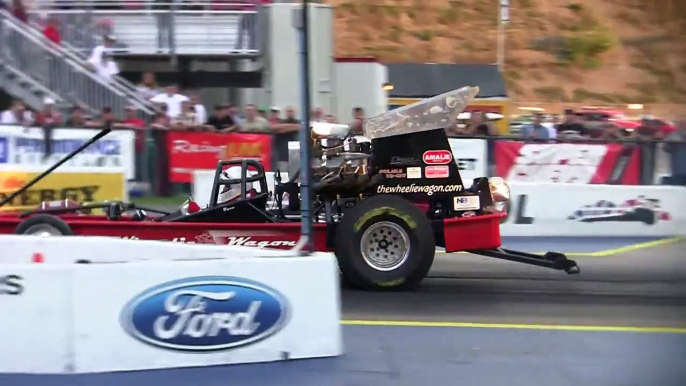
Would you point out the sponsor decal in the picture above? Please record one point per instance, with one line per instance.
(641, 209)
(393, 173)
(414, 173)
(437, 171)
(205, 314)
(11, 285)
(4, 149)
(466, 203)
(77, 187)
(190, 151)
(229, 238)
(404, 161)
(568, 163)
(413, 188)
(437, 157)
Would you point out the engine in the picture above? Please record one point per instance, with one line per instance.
(341, 162)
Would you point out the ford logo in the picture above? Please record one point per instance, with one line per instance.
(205, 314)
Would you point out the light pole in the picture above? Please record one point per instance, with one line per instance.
(301, 21)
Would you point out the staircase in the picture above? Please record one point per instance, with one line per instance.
(33, 68)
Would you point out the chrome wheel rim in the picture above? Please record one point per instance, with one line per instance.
(385, 246)
(44, 230)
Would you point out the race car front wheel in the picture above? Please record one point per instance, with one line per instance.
(43, 225)
(385, 242)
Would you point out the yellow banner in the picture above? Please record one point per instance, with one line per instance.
(80, 187)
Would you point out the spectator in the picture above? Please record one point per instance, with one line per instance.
(131, 118)
(648, 130)
(253, 122)
(571, 125)
(148, 87)
(48, 119)
(318, 115)
(186, 119)
(77, 118)
(536, 130)
(172, 99)
(97, 54)
(221, 119)
(234, 114)
(358, 120)
(676, 147)
(19, 11)
(200, 111)
(478, 126)
(262, 112)
(161, 121)
(51, 30)
(107, 68)
(16, 115)
(274, 117)
(331, 119)
(286, 130)
(247, 24)
(611, 132)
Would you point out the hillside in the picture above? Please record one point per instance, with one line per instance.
(583, 51)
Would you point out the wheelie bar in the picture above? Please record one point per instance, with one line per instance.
(553, 260)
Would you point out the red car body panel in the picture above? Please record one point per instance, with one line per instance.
(460, 234)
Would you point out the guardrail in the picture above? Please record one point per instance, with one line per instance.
(145, 28)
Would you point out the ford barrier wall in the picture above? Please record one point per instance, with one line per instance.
(549, 209)
(76, 318)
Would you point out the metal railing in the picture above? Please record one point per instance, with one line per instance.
(62, 72)
(148, 27)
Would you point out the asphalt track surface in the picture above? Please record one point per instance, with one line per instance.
(478, 321)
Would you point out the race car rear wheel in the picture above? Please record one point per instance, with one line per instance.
(385, 242)
(43, 225)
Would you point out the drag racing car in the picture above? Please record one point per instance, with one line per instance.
(383, 202)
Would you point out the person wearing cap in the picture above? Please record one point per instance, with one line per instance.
(571, 125)
(96, 56)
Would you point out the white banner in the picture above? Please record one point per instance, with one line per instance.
(470, 155)
(550, 209)
(24, 148)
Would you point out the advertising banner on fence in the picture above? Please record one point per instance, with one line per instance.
(548, 209)
(190, 151)
(25, 148)
(613, 164)
(470, 155)
(80, 187)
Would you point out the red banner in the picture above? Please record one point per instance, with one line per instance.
(190, 151)
(614, 164)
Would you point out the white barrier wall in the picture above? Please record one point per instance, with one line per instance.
(21, 249)
(81, 318)
(548, 209)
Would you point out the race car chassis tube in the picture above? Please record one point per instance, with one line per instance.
(553, 260)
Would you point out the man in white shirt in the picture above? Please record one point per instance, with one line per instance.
(107, 68)
(96, 55)
(16, 115)
(200, 111)
(172, 99)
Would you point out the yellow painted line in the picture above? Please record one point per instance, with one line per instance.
(613, 251)
(396, 323)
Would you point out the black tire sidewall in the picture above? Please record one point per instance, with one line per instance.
(398, 211)
(44, 219)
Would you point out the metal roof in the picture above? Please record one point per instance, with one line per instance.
(416, 80)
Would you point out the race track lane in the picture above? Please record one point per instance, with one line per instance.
(645, 288)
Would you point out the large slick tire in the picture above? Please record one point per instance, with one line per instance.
(44, 223)
(384, 243)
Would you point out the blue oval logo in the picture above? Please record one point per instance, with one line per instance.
(207, 313)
